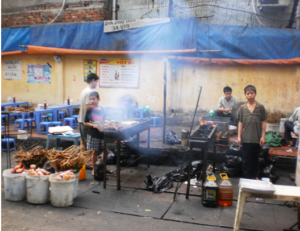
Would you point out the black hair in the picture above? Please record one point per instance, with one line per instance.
(227, 89)
(96, 94)
(92, 76)
(249, 87)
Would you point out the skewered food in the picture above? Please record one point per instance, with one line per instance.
(35, 155)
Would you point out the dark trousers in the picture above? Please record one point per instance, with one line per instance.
(288, 128)
(250, 157)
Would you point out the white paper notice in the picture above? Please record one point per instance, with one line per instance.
(12, 69)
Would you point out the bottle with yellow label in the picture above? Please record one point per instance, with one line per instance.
(210, 192)
(225, 191)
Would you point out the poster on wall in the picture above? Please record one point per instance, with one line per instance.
(12, 69)
(119, 73)
(90, 66)
(298, 164)
(37, 73)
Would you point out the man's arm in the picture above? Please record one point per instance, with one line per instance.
(240, 129)
(220, 106)
(263, 137)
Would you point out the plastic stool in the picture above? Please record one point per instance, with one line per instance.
(46, 126)
(44, 118)
(23, 115)
(76, 119)
(49, 115)
(7, 142)
(21, 124)
(56, 123)
(11, 115)
(154, 120)
(70, 121)
(62, 115)
(4, 131)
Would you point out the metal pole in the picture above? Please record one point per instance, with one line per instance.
(165, 102)
(114, 10)
(170, 8)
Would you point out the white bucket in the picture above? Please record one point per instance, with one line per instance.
(75, 192)
(14, 185)
(61, 191)
(281, 125)
(272, 127)
(37, 189)
(22, 135)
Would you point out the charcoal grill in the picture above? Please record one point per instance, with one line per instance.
(203, 143)
(110, 136)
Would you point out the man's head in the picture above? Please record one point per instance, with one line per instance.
(94, 98)
(250, 92)
(227, 92)
(92, 80)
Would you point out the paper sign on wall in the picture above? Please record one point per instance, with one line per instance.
(121, 73)
(38, 73)
(90, 66)
(12, 69)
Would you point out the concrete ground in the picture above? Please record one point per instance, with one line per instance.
(135, 208)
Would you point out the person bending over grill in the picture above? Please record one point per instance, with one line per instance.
(292, 125)
(227, 103)
(95, 138)
(251, 132)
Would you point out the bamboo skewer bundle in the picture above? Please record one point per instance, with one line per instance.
(274, 117)
(71, 158)
(33, 155)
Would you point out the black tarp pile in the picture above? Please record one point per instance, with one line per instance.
(232, 166)
(128, 153)
(172, 138)
(161, 184)
(204, 131)
(111, 158)
(266, 164)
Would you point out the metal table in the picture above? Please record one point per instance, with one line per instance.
(57, 108)
(196, 142)
(38, 113)
(112, 136)
(16, 104)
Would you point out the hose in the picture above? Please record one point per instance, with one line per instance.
(63, 5)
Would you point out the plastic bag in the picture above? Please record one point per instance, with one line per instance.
(177, 175)
(233, 161)
(231, 172)
(269, 172)
(234, 150)
(111, 158)
(172, 138)
(196, 170)
(132, 161)
(158, 185)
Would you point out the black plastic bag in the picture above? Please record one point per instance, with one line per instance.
(158, 185)
(111, 158)
(196, 170)
(234, 150)
(132, 161)
(232, 172)
(233, 161)
(172, 138)
(177, 175)
(269, 172)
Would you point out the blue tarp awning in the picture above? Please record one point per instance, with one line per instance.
(11, 38)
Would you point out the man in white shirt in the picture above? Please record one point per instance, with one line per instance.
(292, 125)
(92, 81)
(227, 103)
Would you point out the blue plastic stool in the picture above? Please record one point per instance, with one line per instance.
(21, 124)
(44, 118)
(11, 115)
(76, 119)
(154, 122)
(3, 129)
(70, 121)
(46, 126)
(30, 121)
(8, 141)
(62, 115)
(56, 123)
(49, 117)
(23, 115)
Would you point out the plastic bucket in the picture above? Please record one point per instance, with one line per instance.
(82, 173)
(75, 192)
(37, 189)
(14, 185)
(281, 125)
(272, 127)
(61, 191)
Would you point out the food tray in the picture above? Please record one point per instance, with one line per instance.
(256, 186)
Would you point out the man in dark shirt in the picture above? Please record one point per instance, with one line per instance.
(251, 132)
(94, 136)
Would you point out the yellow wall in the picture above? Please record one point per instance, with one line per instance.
(278, 86)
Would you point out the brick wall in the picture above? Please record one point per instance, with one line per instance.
(44, 14)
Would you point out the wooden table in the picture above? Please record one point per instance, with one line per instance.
(283, 193)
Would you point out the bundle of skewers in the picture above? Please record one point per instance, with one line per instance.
(71, 158)
(114, 125)
(32, 155)
(20, 109)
